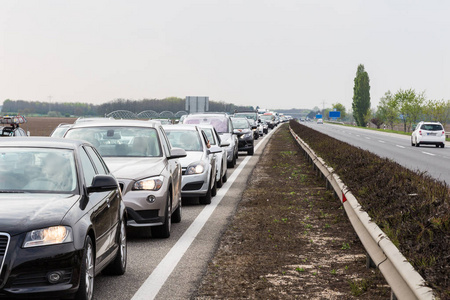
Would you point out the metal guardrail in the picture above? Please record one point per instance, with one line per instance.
(404, 280)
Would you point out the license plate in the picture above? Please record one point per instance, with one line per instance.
(433, 134)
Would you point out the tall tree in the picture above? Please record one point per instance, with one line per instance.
(410, 106)
(361, 96)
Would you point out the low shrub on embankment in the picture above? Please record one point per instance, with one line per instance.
(412, 208)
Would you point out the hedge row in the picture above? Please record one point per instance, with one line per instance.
(411, 207)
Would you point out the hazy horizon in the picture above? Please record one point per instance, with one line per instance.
(295, 54)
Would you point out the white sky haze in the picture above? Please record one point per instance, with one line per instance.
(275, 54)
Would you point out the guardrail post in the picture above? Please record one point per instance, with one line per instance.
(369, 262)
(393, 297)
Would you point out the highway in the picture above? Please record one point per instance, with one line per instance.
(172, 268)
(435, 161)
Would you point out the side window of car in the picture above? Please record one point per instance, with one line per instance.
(99, 165)
(88, 168)
(205, 138)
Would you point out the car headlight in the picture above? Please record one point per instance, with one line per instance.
(247, 135)
(195, 168)
(150, 184)
(48, 236)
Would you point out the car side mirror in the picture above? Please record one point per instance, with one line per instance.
(177, 153)
(224, 144)
(103, 183)
(214, 149)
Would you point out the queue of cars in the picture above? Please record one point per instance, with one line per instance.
(74, 194)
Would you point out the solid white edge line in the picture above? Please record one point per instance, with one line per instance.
(153, 284)
(400, 146)
(381, 141)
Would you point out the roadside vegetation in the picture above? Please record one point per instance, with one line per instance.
(411, 207)
(289, 238)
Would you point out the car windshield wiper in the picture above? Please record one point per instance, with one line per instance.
(15, 192)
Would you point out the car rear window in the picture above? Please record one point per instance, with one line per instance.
(431, 127)
(220, 123)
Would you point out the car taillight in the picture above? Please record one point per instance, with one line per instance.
(420, 132)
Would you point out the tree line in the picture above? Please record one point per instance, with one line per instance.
(404, 107)
(79, 109)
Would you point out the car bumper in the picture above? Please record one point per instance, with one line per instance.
(431, 140)
(195, 185)
(25, 271)
(144, 208)
(245, 144)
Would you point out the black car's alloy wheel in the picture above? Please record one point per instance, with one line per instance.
(86, 288)
(119, 265)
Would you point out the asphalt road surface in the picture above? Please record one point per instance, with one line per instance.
(435, 161)
(172, 268)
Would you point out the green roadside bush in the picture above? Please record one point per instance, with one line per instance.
(411, 207)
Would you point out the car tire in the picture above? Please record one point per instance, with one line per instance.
(412, 143)
(417, 144)
(177, 214)
(225, 177)
(251, 151)
(207, 198)
(219, 182)
(443, 145)
(214, 188)
(119, 265)
(163, 231)
(86, 287)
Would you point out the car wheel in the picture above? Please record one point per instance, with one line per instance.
(417, 144)
(412, 143)
(119, 265)
(443, 145)
(219, 182)
(207, 198)
(251, 151)
(225, 177)
(214, 188)
(163, 231)
(176, 216)
(86, 288)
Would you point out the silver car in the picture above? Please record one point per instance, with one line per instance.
(199, 166)
(223, 125)
(140, 156)
(221, 157)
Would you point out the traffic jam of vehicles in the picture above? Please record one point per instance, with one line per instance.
(82, 187)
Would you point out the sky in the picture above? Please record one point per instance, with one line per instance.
(272, 54)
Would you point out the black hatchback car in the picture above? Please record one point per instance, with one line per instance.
(244, 132)
(62, 219)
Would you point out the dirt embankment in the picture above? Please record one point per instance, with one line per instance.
(289, 238)
(43, 126)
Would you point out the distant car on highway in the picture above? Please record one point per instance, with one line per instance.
(319, 121)
(428, 133)
(255, 121)
(62, 219)
(199, 166)
(223, 125)
(139, 154)
(243, 130)
(269, 119)
(60, 130)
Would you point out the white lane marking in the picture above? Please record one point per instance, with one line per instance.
(428, 153)
(381, 141)
(153, 284)
(400, 146)
(358, 135)
(366, 137)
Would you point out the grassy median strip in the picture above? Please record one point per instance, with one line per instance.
(412, 208)
(289, 238)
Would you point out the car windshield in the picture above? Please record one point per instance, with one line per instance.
(59, 132)
(219, 122)
(267, 117)
(120, 141)
(431, 127)
(240, 123)
(37, 170)
(189, 140)
(252, 116)
(210, 135)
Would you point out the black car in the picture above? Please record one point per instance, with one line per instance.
(62, 219)
(244, 132)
